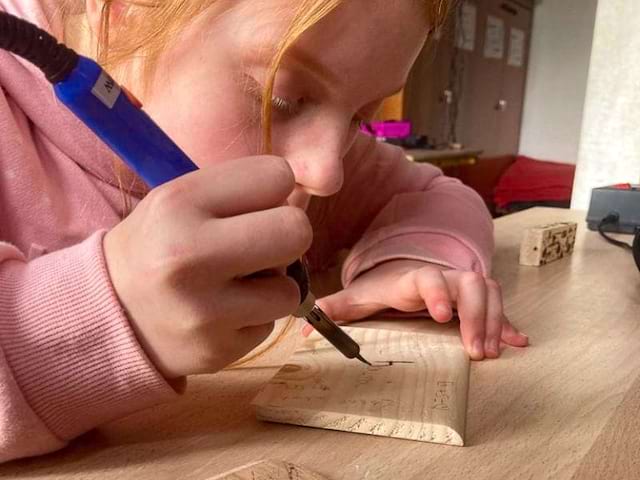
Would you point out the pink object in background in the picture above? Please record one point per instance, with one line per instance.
(388, 129)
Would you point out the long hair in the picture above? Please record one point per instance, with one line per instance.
(149, 26)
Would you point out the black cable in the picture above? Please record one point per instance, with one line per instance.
(612, 218)
(37, 46)
(636, 248)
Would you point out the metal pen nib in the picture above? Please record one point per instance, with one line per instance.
(361, 358)
(329, 329)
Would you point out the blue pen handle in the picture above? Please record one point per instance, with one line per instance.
(116, 118)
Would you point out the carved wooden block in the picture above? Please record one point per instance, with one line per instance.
(543, 244)
(416, 388)
(269, 470)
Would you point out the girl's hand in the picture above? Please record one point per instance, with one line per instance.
(410, 286)
(181, 263)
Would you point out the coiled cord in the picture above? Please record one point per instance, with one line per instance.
(37, 46)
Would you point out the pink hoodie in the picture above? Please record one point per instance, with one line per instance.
(69, 360)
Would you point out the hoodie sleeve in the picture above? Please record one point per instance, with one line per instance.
(69, 360)
(390, 208)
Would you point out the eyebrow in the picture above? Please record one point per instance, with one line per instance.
(307, 62)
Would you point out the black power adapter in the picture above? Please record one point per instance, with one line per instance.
(616, 209)
(622, 199)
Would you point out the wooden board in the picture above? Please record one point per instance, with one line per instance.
(269, 470)
(416, 388)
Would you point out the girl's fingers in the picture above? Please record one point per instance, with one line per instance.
(513, 337)
(471, 302)
(494, 320)
(432, 287)
(241, 245)
(251, 302)
(269, 179)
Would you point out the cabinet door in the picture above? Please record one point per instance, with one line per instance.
(488, 92)
(493, 89)
(514, 75)
(425, 103)
(481, 84)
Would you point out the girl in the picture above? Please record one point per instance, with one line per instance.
(104, 307)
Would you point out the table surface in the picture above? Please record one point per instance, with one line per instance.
(423, 154)
(565, 407)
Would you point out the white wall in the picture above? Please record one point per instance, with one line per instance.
(610, 142)
(557, 79)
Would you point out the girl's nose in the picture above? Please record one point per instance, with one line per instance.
(319, 171)
(317, 160)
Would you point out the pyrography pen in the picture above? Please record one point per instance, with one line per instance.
(117, 119)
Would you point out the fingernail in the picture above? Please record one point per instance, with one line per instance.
(443, 309)
(477, 349)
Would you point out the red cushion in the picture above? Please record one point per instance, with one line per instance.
(530, 180)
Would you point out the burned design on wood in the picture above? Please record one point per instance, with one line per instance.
(416, 388)
(391, 363)
(443, 395)
(547, 243)
(269, 470)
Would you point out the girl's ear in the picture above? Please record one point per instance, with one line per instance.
(95, 9)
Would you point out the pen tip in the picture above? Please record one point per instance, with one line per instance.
(361, 358)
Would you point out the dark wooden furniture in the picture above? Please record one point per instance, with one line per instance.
(444, 158)
(482, 97)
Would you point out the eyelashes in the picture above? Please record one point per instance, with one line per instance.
(288, 107)
(291, 107)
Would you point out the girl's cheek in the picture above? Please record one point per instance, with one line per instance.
(228, 134)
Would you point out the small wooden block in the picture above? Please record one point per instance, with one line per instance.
(269, 470)
(416, 389)
(546, 243)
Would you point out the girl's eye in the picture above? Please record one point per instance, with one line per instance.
(288, 107)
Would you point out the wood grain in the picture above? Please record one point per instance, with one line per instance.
(416, 389)
(616, 453)
(269, 470)
(550, 411)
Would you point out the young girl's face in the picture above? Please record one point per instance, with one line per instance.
(207, 93)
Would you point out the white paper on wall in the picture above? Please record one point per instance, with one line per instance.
(494, 41)
(516, 48)
(466, 27)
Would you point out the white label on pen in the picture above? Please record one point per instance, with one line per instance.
(107, 90)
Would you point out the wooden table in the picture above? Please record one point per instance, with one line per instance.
(444, 158)
(567, 407)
